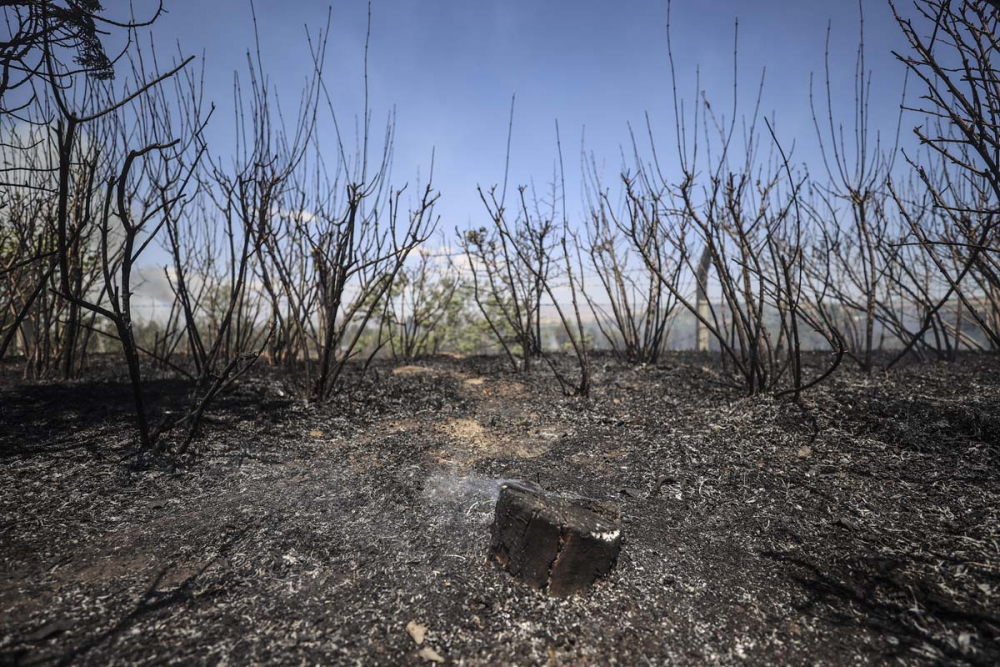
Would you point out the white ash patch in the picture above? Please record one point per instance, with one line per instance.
(609, 536)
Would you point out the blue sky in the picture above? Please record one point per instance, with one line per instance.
(450, 67)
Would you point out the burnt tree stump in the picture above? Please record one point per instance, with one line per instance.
(556, 544)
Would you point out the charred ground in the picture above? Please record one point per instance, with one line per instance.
(858, 528)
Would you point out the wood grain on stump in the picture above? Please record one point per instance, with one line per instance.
(556, 544)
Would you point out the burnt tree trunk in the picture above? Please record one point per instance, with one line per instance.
(556, 544)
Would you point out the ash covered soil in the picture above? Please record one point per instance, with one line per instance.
(860, 527)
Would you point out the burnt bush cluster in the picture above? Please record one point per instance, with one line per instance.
(311, 261)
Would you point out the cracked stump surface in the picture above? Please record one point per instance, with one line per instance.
(555, 544)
